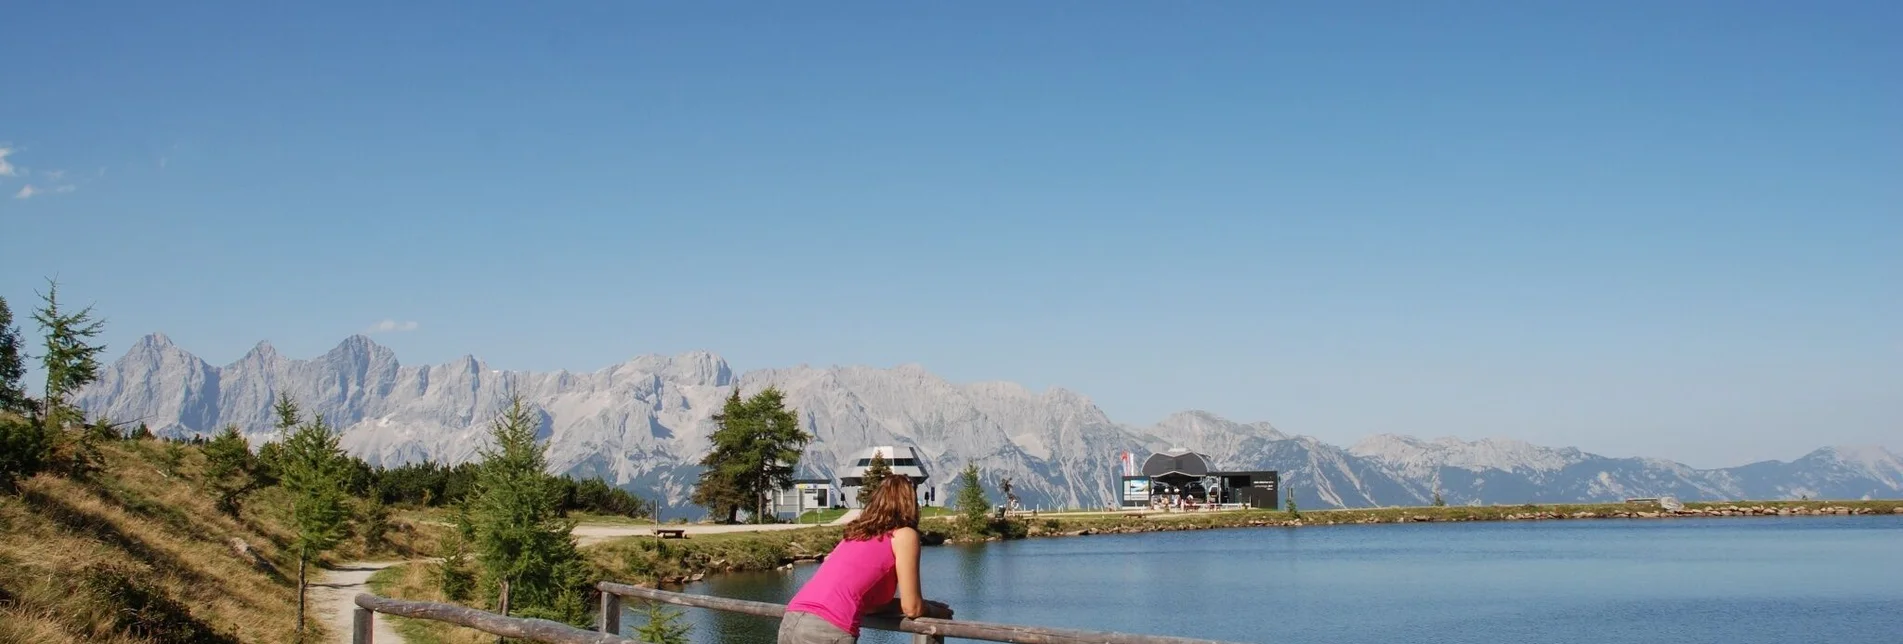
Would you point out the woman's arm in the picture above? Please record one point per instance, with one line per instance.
(905, 553)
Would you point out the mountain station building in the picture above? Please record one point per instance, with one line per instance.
(903, 460)
(1182, 479)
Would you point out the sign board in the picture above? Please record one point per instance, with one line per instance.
(1136, 489)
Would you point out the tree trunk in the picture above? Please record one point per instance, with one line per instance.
(505, 608)
(300, 597)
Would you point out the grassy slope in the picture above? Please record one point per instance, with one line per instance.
(132, 554)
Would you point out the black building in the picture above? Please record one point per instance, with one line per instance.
(1183, 477)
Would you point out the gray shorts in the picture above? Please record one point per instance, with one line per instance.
(807, 628)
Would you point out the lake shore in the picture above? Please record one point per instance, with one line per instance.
(650, 561)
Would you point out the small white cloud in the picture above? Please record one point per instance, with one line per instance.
(65, 189)
(54, 175)
(26, 192)
(7, 169)
(393, 326)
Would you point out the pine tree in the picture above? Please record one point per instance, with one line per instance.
(1292, 510)
(876, 472)
(70, 361)
(170, 457)
(973, 505)
(22, 450)
(756, 447)
(312, 469)
(375, 519)
(13, 396)
(228, 468)
(525, 548)
(23, 444)
(718, 488)
(662, 626)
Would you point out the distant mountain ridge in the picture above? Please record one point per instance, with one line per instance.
(642, 424)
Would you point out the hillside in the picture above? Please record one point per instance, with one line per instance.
(643, 423)
(138, 552)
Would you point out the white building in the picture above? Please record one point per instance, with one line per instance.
(804, 495)
(903, 460)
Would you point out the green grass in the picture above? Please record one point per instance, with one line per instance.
(639, 560)
(820, 517)
(414, 581)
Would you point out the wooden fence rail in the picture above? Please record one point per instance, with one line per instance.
(534, 630)
(608, 624)
(923, 629)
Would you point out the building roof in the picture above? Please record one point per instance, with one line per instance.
(1179, 462)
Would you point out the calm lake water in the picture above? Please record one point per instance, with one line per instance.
(1732, 580)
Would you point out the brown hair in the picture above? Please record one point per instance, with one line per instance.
(894, 505)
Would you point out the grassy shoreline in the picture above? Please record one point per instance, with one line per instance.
(648, 561)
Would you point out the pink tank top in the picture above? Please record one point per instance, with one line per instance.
(858, 576)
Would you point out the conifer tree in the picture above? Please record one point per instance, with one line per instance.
(663, 625)
(71, 361)
(973, 505)
(22, 442)
(313, 470)
(718, 488)
(526, 550)
(228, 467)
(22, 450)
(756, 448)
(875, 473)
(13, 396)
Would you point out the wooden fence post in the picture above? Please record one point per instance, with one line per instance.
(361, 626)
(610, 618)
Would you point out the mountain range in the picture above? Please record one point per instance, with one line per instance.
(643, 423)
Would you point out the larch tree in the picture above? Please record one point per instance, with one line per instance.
(228, 467)
(71, 361)
(973, 505)
(313, 469)
(756, 448)
(526, 549)
(876, 472)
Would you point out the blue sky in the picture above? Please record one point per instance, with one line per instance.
(1668, 229)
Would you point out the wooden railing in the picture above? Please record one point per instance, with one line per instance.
(608, 623)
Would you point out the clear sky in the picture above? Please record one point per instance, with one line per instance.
(1670, 229)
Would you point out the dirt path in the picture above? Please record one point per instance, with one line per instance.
(332, 598)
(588, 534)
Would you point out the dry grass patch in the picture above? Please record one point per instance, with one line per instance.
(139, 552)
(418, 581)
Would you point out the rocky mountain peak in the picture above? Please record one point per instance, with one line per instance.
(154, 341)
(642, 424)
